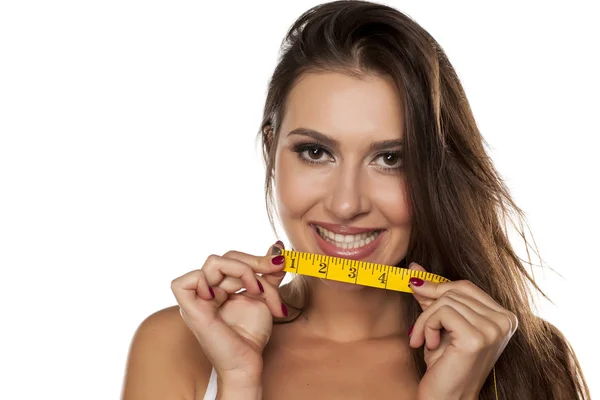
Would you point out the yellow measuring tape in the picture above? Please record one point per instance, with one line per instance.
(356, 272)
(359, 273)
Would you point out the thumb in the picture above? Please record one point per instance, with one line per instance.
(424, 302)
(276, 277)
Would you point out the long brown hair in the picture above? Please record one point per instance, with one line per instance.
(460, 204)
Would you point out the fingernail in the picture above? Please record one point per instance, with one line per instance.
(278, 260)
(260, 286)
(280, 243)
(275, 251)
(410, 330)
(212, 293)
(284, 309)
(416, 281)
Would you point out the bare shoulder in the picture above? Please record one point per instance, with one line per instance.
(165, 360)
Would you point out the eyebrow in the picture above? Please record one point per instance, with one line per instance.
(328, 141)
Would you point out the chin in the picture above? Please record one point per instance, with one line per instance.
(342, 286)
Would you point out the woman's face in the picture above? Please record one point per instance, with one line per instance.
(339, 181)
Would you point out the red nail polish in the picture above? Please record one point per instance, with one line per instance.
(284, 309)
(278, 260)
(212, 293)
(410, 330)
(416, 281)
(280, 243)
(260, 286)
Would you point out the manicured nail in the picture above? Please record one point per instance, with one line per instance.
(212, 293)
(260, 286)
(280, 243)
(278, 260)
(410, 330)
(416, 281)
(275, 251)
(284, 309)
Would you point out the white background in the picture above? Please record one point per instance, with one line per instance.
(127, 156)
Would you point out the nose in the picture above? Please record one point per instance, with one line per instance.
(347, 197)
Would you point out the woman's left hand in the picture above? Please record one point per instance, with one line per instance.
(464, 331)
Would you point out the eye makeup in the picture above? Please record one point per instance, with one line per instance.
(312, 153)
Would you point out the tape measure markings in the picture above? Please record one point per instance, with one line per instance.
(334, 268)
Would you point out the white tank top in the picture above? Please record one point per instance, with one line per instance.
(211, 389)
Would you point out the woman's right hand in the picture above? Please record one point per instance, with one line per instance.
(233, 328)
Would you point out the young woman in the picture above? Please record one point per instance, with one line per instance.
(372, 153)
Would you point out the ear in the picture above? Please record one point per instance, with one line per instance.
(268, 135)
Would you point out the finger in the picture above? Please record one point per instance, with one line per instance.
(421, 331)
(433, 338)
(272, 262)
(272, 298)
(503, 320)
(217, 268)
(275, 278)
(233, 284)
(271, 282)
(436, 290)
(188, 286)
(214, 335)
(268, 283)
(456, 325)
(195, 299)
(423, 301)
(220, 297)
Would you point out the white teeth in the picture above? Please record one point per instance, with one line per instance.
(347, 241)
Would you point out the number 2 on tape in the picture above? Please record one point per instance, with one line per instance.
(355, 272)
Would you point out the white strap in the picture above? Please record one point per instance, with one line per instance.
(211, 389)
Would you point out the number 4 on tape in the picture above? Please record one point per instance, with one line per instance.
(354, 272)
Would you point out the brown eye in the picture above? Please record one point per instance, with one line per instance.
(391, 158)
(390, 161)
(315, 153)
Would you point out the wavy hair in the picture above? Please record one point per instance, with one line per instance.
(461, 207)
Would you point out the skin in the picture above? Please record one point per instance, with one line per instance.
(350, 342)
(349, 187)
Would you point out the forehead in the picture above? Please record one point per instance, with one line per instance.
(338, 104)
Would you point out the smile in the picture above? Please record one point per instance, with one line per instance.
(354, 243)
(347, 241)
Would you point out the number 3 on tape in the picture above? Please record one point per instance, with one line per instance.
(355, 272)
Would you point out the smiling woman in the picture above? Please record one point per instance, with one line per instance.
(354, 170)
(372, 153)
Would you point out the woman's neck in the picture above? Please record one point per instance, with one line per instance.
(347, 313)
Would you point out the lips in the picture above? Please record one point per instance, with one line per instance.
(358, 245)
(343, 229)
(347, 241)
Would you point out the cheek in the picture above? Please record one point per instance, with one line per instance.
(393, 201)
(294, 187)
